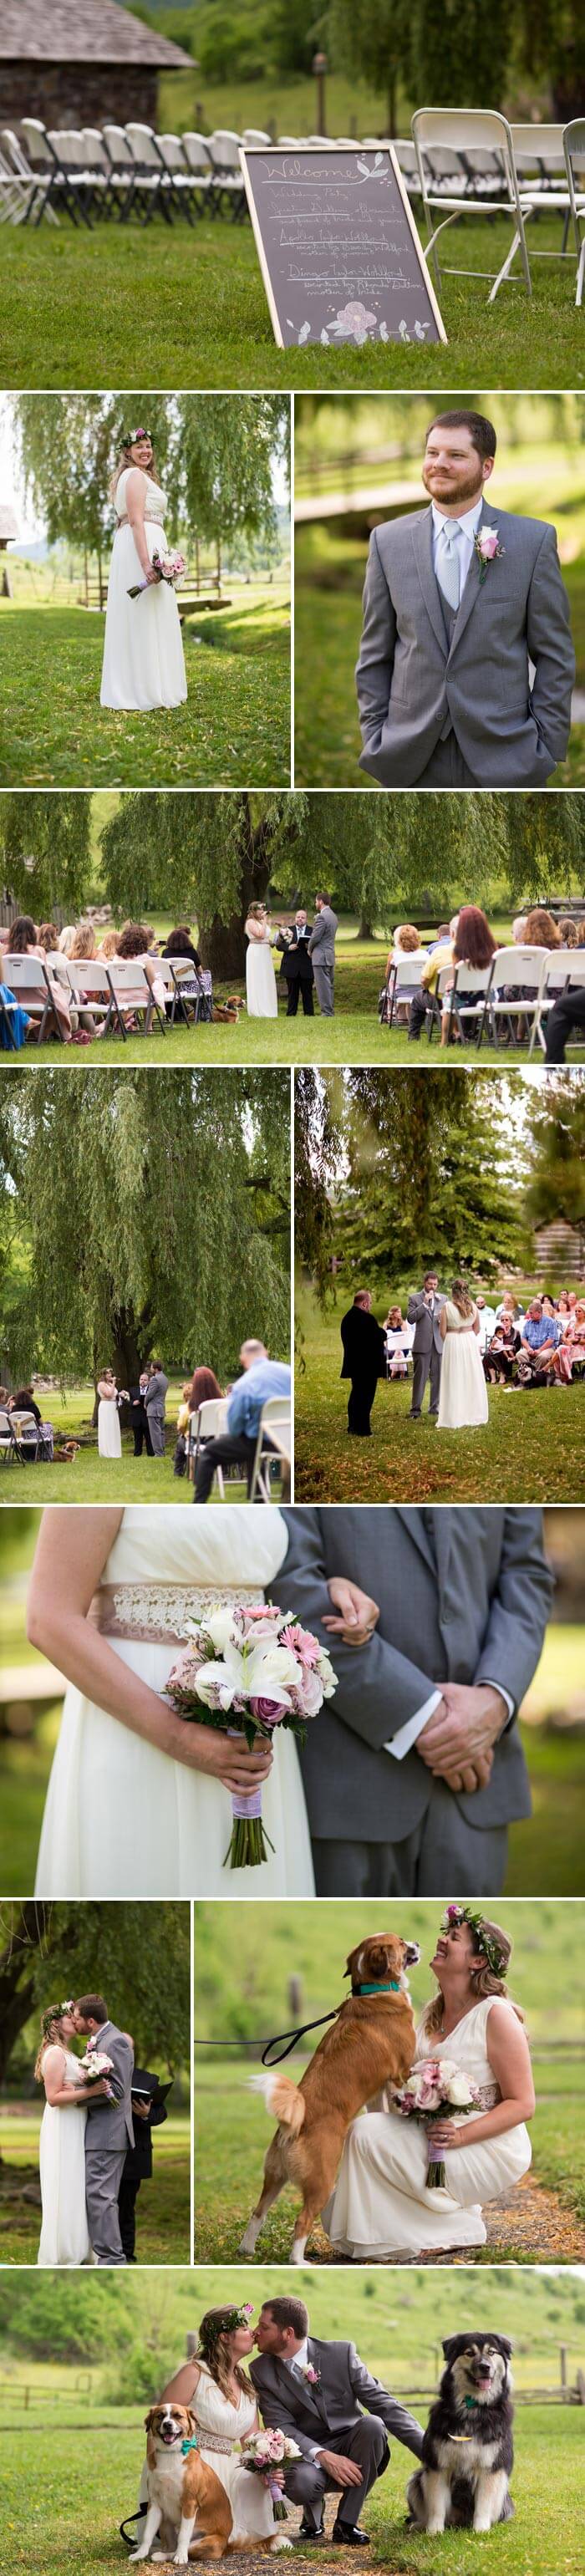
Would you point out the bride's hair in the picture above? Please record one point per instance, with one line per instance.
(215, 2327)
(51, 2021)
(255, 911)
(461, 1297)
(123, 460)
(483, 1978)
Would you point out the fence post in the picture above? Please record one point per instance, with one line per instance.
(563, 2353)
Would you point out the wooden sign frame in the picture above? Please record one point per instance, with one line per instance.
(262, 152)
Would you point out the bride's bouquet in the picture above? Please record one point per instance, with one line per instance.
(437, 2086)
(259, 1669)
(95, 2066)
(167, 568)
(264, 2452)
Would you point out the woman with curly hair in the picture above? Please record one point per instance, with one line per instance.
(382, 2205)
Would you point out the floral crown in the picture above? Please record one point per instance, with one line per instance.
(497, 1959)
(228, 2321)
(131, 437)
(54, 2013)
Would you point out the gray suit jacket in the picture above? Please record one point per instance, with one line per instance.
(475, 1610)
(322, 940)
(345, 2387)
(110, 2124)
(410, 680)
(427, 1328)
(155, 1394)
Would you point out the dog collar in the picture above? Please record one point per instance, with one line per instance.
(392, 1988)
(193, 2445)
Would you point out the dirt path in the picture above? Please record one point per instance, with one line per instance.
(528, 2220)
(343, 2560)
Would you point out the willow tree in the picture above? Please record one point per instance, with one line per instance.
(45, 851)
(139, 1956)
(154, 1215)
(399, 1173)
(215, 453)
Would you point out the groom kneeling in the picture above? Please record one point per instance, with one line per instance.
(314, 2392)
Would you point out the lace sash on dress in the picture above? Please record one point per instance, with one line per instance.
(157, 1612)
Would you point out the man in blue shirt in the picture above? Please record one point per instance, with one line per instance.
(261, 1378)
(541, 1334)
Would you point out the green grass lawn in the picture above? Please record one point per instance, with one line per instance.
(45, 2515)
(232, 2133)
(91, 1479)
(234, 724)
(528, 1452)
(126, 308)
(329, 576)
(163, 2208)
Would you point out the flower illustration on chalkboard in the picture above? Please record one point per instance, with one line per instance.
(353, 323)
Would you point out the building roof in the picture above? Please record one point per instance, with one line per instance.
(8, 523)
(83, 31)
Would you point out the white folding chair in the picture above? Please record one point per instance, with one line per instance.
(150, 166)
(273, 1438)
(44, 166)
(29, 983)
(574, 150)
(224, 151)
(403, 970)
(91, 989)
(466, 131)
(26, 1437)
(182, 186)
(134, 188)
(517, 979)
(131, 992)
(199, 163)
(408, 167)
(565, 973)
(206, 1424)
(469, 991)
(254, 139)
(78, 185)
(22, 190)
(106, 195)
(6, 1443)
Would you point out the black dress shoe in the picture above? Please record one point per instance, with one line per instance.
(307, 2531)
(349, 2536)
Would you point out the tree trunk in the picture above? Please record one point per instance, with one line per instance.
(128, 1336)
(16, 1997)
(222, 943)
(366, 928)
(392, 103)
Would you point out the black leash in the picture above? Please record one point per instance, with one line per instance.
(291, 2037)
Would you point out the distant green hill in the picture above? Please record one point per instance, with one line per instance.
(242, 1989)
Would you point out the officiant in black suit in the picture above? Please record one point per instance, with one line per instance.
(297, 966)
(139, 1417)
(364, 1361)
(148, 2112)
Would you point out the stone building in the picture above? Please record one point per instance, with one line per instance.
(560, 1248)
(81, 62)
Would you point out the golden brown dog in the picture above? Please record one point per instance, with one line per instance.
(183, 2491)
(371, 2043)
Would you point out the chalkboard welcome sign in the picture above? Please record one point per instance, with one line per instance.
(339, 252)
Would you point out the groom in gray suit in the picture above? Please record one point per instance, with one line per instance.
(424, 1308)
(110, 2129)
(315, 2392)
(459, 601)
(322, 951)
(155, 1395)
(414, 1769)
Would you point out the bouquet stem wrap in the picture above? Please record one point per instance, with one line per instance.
(246, 1669)
(248, 1842)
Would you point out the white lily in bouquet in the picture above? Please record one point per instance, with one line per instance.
(264, 2452)
(437, 2085)
(259, 1669)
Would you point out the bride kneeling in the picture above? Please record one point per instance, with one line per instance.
(216, 2387)
(382, 2205)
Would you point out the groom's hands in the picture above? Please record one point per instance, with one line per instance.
(457, 1741)
(345, 2473)
(358, 1614)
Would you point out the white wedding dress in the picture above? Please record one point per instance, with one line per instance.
(261, 988)
(64, 2237)
(463, 1396)
(381, 2204)
(144, 662)
(109, 1433)
(121, 1819)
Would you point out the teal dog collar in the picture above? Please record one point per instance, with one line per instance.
(193, 2445)
(392, 1988)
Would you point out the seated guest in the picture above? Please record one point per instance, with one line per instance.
(183, 1428)
(84, 950)
(24, 1402)
(364, 1361)
(540, 930)
(473, 945)
(147, 2114)
(399, 1339)
(261, 1379)
(499, 1359)
(135, 942)
(519, 930)
(562, 1356)
(574, 1338)
(487, 1323)
(406, 943)
(437, 957)
(539, 1339)
(24, 942)
(108, 947)
(180, 944)
(568, 932)
(510, 1305)
(566, 1017)
(204, 1389)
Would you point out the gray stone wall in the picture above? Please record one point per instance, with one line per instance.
(77, 94)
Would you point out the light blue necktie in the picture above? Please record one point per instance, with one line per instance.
(448, 563)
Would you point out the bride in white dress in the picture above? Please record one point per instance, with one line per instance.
(261, 988)
(64, 2237)
(381, 2206)
(144, 662)
(138, 1803)
(216, 2386)
(109, 1433)
(463, 1398)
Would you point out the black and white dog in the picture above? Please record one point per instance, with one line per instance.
(467, 2452)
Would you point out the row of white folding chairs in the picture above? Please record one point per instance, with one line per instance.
(106, 989)
(20, 1438)
(520, 984)
(117, 169)
(273, 1440)
(542, 171)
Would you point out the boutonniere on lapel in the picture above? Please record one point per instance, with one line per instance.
(487, 549)
(312, 2376)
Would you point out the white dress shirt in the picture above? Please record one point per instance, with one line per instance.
(468, 521)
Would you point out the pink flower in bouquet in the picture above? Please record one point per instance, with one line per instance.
(182, 1678)
(308, 1695)
(266, 1711)
(302, 1644)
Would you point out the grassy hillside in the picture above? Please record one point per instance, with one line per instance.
(242, 1991)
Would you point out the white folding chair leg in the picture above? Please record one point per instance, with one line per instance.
(580, 273)
(519, 243)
